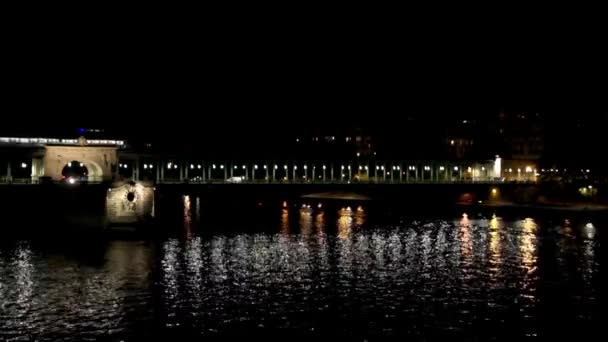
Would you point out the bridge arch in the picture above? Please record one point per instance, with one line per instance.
(101, 161)
(79, 168)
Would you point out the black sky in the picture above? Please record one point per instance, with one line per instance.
(241, 78)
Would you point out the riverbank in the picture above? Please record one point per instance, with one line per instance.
(575, 209)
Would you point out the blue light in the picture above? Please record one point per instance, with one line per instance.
(82, 130)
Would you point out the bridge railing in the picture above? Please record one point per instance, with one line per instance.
(337, 181)
(30, 181)
(25, 181)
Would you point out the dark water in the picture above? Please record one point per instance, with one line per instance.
(302, 273)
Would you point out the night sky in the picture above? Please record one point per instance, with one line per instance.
(239, 82)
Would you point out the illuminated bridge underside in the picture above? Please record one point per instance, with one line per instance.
(100, 161)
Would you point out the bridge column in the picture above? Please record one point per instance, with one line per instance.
(350, 174)
(416, 172)
(9, 176)
(324, 167)
(157, 178)
(432, 172)
(400, 172)
(37, 169)
(286, 168)
(383, 168)
(162, 171)
(246, 172)
(407, 174)
(294, 178)
(186, 168)
(136, 169)
(331, 172)
(314, 168)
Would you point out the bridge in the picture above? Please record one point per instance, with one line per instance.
(32, 160)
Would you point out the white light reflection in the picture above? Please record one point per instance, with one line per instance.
(198, 208)
(320, 222)
(527, 244)
(25, 278)
(345, 224)
(305, 221)
(589, 265)
(218, 272)
(495, 246)
(170, 270)
(345, 243)
(285, 221)
(589, 231)
(466, 239)
(528, 254)
(187, 216)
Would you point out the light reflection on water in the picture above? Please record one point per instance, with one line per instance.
(320, 272)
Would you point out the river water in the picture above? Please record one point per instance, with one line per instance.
(302, 272)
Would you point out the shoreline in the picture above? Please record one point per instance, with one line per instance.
(577, 207)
